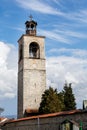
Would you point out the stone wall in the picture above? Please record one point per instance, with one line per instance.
(47, 122)
(31, 75)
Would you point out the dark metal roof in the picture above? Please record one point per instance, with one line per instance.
(29, 22)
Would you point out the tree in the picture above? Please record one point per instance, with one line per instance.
(69, 99)
(1, 110)
(50, 102)
(61, 98)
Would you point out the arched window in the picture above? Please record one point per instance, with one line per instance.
(34, 50)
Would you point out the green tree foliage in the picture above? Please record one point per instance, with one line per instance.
(61, 98)
(50, 102)
(69, 99)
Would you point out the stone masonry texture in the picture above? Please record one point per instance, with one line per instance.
(31, 75)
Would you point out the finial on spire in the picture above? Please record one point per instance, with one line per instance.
(30, 17)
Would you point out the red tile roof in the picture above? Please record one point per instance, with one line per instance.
(31, 110)
(48, 115)
(1, 118)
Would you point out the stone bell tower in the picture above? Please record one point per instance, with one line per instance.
(31, 70)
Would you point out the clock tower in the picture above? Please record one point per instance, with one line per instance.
(31, 70)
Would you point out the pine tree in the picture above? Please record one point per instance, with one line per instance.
(50, 102)
(61, 98)
(69, 99)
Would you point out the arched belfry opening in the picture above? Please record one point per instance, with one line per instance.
(34, 50)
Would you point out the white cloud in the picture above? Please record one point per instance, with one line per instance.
(75, 52)
(60, 68)
(71, 33)
(55, 36)
(79, 15)
(8, 70)
(39, 6)
(18, 28)
(4, 50)
(72, 69)
(63, 35)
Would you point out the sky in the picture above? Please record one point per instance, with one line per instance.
(64, 23)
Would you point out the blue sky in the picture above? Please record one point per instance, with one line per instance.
(64, 23)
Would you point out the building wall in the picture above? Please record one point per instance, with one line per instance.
(20, 93)
(46, 123)
(20, 81)
(75, 127)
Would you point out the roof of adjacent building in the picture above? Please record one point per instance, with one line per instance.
(3, 120)
(31, 110)
(48, 115)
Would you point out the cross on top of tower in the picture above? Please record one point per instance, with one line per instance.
(30, 17)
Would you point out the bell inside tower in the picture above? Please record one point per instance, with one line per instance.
(34, 50)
